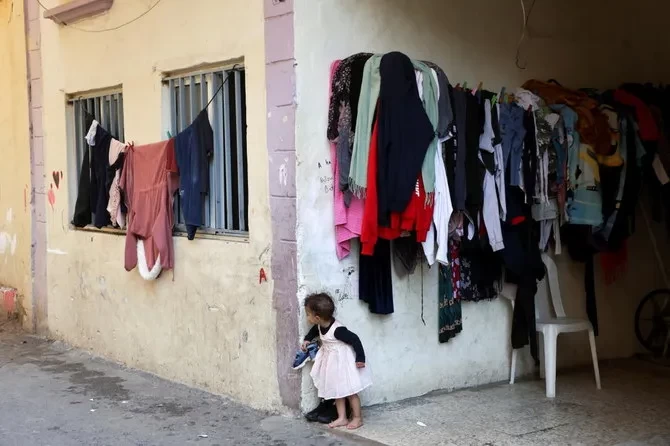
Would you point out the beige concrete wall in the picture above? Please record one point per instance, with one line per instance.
(210, 324)
(598, 43)
(15, 155)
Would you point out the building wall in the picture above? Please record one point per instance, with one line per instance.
(596, 44)
(211, 322)
(15, 184)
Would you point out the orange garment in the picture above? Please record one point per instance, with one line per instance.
(417, 216)
(149, 181)
(592, 123)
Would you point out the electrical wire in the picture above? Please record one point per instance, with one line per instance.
(105, 29)
(526, 18)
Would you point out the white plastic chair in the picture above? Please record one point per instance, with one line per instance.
(551, 327)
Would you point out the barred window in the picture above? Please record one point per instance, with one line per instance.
(106, 107)
(225, 207)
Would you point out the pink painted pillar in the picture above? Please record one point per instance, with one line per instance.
(280, 90)
(38, 190)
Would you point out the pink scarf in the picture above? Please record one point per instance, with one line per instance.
(348, 221)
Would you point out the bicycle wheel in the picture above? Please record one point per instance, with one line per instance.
(652, 320)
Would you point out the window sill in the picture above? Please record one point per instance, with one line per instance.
(77, 10)
(204, 234)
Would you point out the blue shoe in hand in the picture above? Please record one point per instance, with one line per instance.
(301, 358)
(312, 349)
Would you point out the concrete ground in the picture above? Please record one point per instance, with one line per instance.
(54, 396)
(51, 395)
(633, 408)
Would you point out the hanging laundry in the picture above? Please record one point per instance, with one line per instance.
(348, 220)
(82, 208)
(346, 83)
(194, 147)
(344, 80)
(405, 134)
(645, 119)
(438, 233)
(459, 148)
(417, 216)
(374, 283)
(449, 307)
(116, 157)
(529, 159)
(479, 270)
(491, 209)
(90, 135)
(499, 160)
(430, 103)
(592, 124)
(149, 180)
(367, 104)
(474, 167)
(513, 135)
(99, 189)
(445, 111)
(406, 253)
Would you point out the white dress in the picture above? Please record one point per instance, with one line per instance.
(335, 374)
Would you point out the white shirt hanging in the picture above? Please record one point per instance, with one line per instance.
(90, 136)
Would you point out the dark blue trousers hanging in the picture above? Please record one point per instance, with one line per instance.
(193, 148)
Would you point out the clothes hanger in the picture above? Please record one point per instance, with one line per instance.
(500, 97)
(479, 87)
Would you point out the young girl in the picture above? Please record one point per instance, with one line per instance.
(339, 370)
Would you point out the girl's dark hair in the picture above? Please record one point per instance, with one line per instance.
(321, 305)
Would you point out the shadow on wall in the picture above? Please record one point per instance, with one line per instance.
(598, 43)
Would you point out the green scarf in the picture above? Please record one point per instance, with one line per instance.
(358, 171)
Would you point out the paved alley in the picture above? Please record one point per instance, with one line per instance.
(632, 409)
(57, 397)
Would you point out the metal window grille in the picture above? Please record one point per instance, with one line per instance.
(107, 109)
(225, 207)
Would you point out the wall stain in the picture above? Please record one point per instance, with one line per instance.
(51, 196)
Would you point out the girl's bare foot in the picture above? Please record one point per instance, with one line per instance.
(340, 422)
(355, 423)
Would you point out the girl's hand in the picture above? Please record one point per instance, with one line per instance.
(360, 365)
(304, 345)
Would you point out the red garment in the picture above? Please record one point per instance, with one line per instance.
(149, 180)
(614, 264)
(369, 227)
(645, 119)
(417, 216)
(517, 220)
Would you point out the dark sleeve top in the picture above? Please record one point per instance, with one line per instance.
(341, 334)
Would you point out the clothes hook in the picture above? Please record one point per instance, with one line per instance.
(477, 88)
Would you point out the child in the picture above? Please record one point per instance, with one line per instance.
(339, 370)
